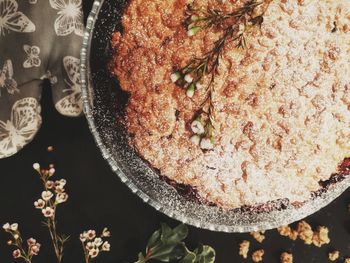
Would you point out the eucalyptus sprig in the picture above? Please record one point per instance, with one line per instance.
(192, 76)
(167, 245)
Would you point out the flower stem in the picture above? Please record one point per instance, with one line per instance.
(87, 258)
(58, 249)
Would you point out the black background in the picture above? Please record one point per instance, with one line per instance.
(99, 199)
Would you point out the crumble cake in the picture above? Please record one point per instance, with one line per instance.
(281, 104)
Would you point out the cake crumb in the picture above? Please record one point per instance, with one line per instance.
(244, 248)
(284, 231)
(293, 235)
(286, 257)
(258, 236)
(320, 236)
(333, 256)
(305, 232)
(287, 231)
(347, 260)
(257, 256)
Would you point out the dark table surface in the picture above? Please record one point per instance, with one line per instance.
(98, 199)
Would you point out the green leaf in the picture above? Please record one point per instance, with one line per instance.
(166, 245)
(173, 236)
(141, 259)
(169, 252)
(154, 239)
(205, 254)
(190, 257)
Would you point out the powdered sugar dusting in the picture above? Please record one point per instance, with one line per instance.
(281, 105)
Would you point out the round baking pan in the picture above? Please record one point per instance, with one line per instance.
(104, 105)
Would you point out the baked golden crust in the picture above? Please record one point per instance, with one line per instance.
(281, 104)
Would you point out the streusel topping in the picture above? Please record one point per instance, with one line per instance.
(281, 105)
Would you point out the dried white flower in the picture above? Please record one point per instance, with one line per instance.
(6, 226)
(61, 198)
(175, 77)
(31, 242)
(34, 250)
(106, 233)
(83, 236)
(193, 31)
(188, 78)
(40, 204)
(197, 127)
(14, 227)
(190, 91)
(106, 246)
(46, 195)
(94, 252)
(16, 253)
(52, 171)
(50, 184)
(91, 234)
(48, 212)
(90, 246)
(36, 166)
(98, 242)
(196, 139)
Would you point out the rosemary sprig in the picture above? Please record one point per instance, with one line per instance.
(192, 75)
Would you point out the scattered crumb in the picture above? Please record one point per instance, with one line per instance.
(259, 236)
(257, 256)
(293, 235)
(333, 256)
(50, 149)
(347, 260)
(244, 248)
(287, 231)
(284, 230)
(305, 232)
(286, 257)
(321, 236)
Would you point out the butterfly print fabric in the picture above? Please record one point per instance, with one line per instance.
(34, 46)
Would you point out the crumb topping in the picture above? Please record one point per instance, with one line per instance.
(305, 232)
(281, 105)
(320, 237)
(244, 249)
(259, 236)
(287, 231)
(286, 257)
(333, 256)
(257, 256)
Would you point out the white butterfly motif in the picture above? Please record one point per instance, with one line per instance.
(13, 20)
(24, 123)
(6, 79)
(70, 17)
(71, 105)
(33, 59)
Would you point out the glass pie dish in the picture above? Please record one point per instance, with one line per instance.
(104, 105)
